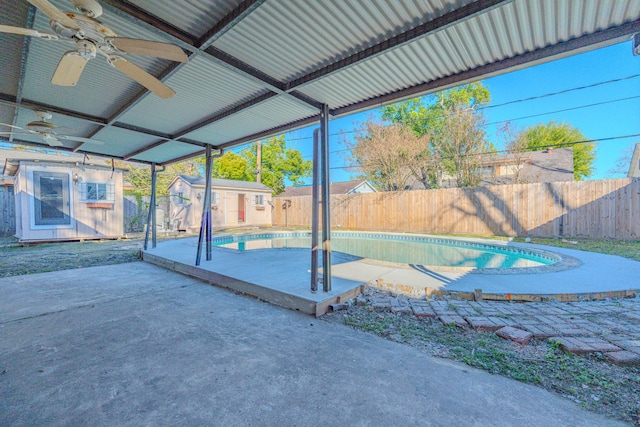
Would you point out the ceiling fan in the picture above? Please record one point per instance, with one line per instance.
(47, 131)
(91, 38)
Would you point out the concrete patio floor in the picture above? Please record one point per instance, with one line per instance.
(282, 276)
(135, 344)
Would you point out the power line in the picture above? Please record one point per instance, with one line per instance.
(533, 115)
(560, 144)
(546, 95)
(565, 109)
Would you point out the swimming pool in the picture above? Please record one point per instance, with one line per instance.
(401, 248)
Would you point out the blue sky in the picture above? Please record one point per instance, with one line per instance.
(611, 119)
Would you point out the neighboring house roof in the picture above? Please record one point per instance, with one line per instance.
(222, 183)
(346, 187)
(548, 166)
(634, 166)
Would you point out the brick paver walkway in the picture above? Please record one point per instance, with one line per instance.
(611, 327)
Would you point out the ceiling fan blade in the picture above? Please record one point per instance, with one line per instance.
(26, 32)
(79, 139)
(52, 140)
(148, 48)
(142, 77)
(69, 69)
(11, 126)
(54, 13)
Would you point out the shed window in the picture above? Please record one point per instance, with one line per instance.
(179, 198)
(215, 198)
(97, 192)
(258, 199)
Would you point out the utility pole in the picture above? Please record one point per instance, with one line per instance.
(259, 162)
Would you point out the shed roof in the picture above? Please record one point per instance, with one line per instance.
(224, 183)
(258, 68)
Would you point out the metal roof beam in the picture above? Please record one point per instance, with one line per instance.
(33, 105)
(224, 114)
(31, 15)
(203, 46)
(182, 158)
(271, 132)
(143, 149)
(243, 10)
(152, 20)
(573, 46)
(87, 153)
(447, 20)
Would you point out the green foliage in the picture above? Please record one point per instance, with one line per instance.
(628, 249)
(454, 126)
(231, 166)
(427, 115)
(140, 178)
(557, 135)
(279, 163)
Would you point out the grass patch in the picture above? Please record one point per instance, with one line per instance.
(590, 381)
(18, 260)
(623, 248)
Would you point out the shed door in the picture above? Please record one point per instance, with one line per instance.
(241, 208)
(51, 191)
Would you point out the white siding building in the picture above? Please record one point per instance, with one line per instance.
(66, 200)
(233, 203)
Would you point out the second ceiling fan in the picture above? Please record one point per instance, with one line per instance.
(93, 38)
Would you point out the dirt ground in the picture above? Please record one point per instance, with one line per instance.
(16, 260)
(590, 381)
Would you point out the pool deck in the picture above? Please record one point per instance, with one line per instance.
(282, 276)
(279, 276)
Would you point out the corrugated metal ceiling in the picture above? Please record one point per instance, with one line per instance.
(260, 67)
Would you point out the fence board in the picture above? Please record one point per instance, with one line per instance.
(7, 212)
(597, 209)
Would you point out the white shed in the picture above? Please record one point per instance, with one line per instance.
(66, 200)
(233, 203)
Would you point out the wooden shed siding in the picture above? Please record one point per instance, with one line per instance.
(87, 222)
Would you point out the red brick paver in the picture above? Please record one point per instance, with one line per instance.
(583, 345)
(514, 334)
(623, 357)
(454, 319)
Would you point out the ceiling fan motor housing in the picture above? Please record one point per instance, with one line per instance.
(88, 7)
(86, 49)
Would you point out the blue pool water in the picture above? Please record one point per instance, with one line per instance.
(404, 249)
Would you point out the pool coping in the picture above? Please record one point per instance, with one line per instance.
(563, 261)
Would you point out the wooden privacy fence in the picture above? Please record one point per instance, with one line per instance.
(597, 209)
(7, 212)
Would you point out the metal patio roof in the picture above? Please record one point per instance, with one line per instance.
(258, 68)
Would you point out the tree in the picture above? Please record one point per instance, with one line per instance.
(389, 156)
(462, 145)
(231, 166)
(557, 135)
(454, 125)
(516, 146)
(140, 178)
(623, 162)
(279, 164)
